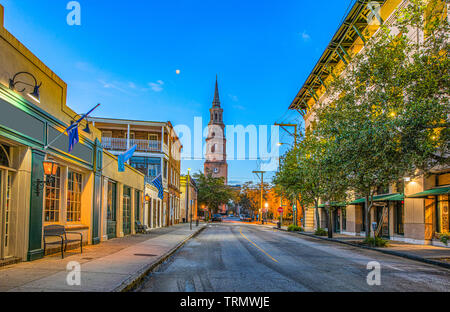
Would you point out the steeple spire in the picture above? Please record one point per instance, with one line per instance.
(216, 101)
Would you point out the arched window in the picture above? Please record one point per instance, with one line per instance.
(213, 134)
(216, 117)
(4, 156)
(213, 148)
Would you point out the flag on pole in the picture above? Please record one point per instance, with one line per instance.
(123, 158)
(157, 182)
(72, 130)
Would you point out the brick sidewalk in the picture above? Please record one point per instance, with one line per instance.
(109, 266)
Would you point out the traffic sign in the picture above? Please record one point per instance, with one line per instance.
(280, 209)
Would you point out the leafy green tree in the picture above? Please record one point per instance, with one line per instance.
(310, 172)
(212, 191)
(389, 111)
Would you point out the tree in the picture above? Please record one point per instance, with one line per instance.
(310, 172)
(212, 192)
(389, 111)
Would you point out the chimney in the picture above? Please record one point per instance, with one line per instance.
(2, 16)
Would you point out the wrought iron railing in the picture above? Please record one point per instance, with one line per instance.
(120, 144)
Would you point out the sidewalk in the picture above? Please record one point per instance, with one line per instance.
(110, 266)
(424, 253)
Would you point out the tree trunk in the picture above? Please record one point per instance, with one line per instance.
(330, 223)
(317, 215)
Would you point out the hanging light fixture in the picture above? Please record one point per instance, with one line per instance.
(50, 171)
(35, 94)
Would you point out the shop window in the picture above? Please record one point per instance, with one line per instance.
(111, 201)
(126, 210)
(399, 216)
(74, 197)
(442, 220)
(53, 198)
(4, 156)
(137, 204)
(153, 170)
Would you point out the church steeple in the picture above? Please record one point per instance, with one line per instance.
(216, 101)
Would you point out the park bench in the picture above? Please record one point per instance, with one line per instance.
(60, 232)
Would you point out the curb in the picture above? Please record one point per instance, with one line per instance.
(389, 252)
(134, 280)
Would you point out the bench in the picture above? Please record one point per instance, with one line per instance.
(60, 232)
(141, 228)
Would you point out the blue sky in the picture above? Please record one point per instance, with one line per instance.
(125, 55)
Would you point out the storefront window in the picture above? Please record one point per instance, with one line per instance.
(74, 197)
(4, 155)
(126, 210)
(53, 198)
(399, 216)
(442, 224)
(111, 201)
(137, 204)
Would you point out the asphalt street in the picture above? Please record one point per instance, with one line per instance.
(238, 257)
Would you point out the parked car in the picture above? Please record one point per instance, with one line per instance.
(246, 217)
(217, 218)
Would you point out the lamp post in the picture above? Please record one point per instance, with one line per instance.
(187, 196)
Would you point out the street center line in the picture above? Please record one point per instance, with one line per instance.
(258, 246)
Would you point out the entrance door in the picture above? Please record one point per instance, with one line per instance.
(5, 213)
(126, 210)
(111, 210)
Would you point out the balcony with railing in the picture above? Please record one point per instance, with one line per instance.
(120, 144)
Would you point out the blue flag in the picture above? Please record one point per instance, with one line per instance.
(123, 158)
(157, 182)
(72, 130)
(73, 136)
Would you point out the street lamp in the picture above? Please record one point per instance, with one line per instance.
(187, 195)
(50, 171)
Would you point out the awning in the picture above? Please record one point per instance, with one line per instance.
(379, 198)
(334, 204)
(432, 192)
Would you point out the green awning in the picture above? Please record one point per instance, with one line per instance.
(432, 192)
(334, 204)
(379, 198)
(392, 197)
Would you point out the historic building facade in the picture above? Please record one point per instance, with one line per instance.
(216, 143)
(76, 194)
(412, 210)
(158, 152)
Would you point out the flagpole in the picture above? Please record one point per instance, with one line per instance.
(76, 123)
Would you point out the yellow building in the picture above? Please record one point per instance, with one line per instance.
(77, 194)
(417, 210)
(158, 152)
(189, 204)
